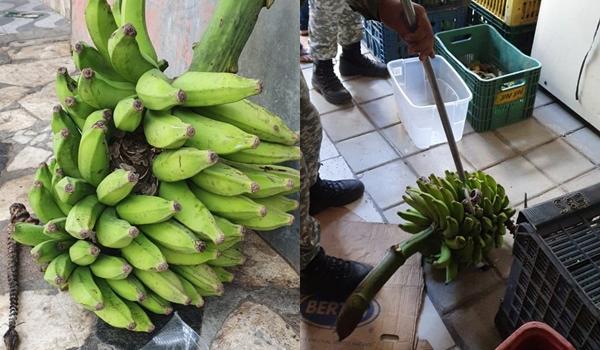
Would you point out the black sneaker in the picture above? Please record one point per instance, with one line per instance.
(328, 84)
(353, 62)
(328, 193)
(332, 278)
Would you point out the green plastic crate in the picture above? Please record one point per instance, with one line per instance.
(500, 101)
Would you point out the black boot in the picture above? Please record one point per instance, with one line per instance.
(327, 193)
(326, 83)
(352, 62)
(331, 278)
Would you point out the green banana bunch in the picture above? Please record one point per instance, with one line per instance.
(116, 186)
(269, 184)
(179, 258)
(113, 232)
(219, 137)
(192, 292)
(84, 290)
(65, 85)
(125, 54)
(128, 114)
(86, 56)
(62, 120)
(115, 311)
(266, 153)
(55, 229)
(211, 88)
(44, 252)
(166, 284)
(142, 209)
(228, 258)
(100, 24)
(58, 271)
(78, 110)
(43, 204)
(234, 207)
(143, 254)
(225, 180)
(71, 190)
(181, 164)
(111, 267)
(175, 236)
(156, 92)
(163, 130)
(141, 319)
(224, 275)
(66, 150)
(83, 253)
(93, 158)
(28, 234)
(82, 217)
(202, 277)
(101, 92)
(103, 115)
(133, 11)
(156, 304)
(129, 288)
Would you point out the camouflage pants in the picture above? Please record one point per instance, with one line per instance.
(310, 143)
(332, 22)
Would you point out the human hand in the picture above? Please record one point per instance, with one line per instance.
(420, 41)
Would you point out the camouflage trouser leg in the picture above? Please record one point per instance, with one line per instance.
(310, 143)
(332, 22)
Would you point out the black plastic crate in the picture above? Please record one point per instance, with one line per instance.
(386, 45)
(555, 276)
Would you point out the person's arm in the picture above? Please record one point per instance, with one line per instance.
(392, 14)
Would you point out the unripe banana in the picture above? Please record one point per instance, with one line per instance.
(78, 110)
(225, 180)
(116, 186)
(235, 207)
(66, 149)
(163, 130)
(64, 84)
(269, 184)
(116, 10)
(111, 267)
(71, 190)
(83, 216)
(181, 164)
(100, 24)
(55, 229)
(58, 271)
(101, 92)
(194, 214)
(231, 230)
(46, 251)
(278, 202)
(113, 232)
(143, 254)
(156, 304)
(273, 220)
(228, 258)
(224, 275)
(166, 284)
(128, 114)
(203, 277)
(28, 234)
(141, 319)
(93, 157)
(178, 258)
(143, 210)
(277, 170)
(415, 217)
(219, 137)
(125, 55)
(42, 203)
(253, 119)
(174, 235)
(103, 115)
(129, 288)
(84, 253)
(215, 88)
(133, 11)
(85, 56)
(84, 290)
(115, 312)
(266, 153)
(157, 93)
(191, 291)
(43, 175)
(62, 120)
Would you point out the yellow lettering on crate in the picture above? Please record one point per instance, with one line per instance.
(510, 95)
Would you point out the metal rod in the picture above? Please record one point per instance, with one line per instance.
(409, 10)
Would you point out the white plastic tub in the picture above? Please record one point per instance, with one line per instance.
(416, 106)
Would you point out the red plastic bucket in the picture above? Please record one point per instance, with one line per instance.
(535, 336)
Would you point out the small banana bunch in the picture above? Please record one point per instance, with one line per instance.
(469, 223)
(211, 155)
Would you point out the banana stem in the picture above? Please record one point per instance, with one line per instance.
(226, 35)
(358, 302)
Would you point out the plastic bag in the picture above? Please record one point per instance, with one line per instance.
(176, 335)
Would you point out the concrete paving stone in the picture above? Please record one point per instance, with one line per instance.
(557, 118)
(15, 119)
(559, 161)
(40, 103)
(264, 267)
(368, 89)
(542, 98)
(399, 138)
(474, 325)
(484, 149)
(518, 176)
(435, 161)
(10, 94)
(365, 209)
(388, 182)
(322, 105)
(470, 284)
(335, 169)
(501, 258)
(255, 326)
(391, 214)
(14, 191)
(41, 51)
(526, 134)
(382, 112)
(48, 320)
(588, 179)
(22, 139)
(431, 327)
(29, 157)
(328, 149)
(345, 123)
(32, 74)
(366, 151)
(39, 139)
(587, 142)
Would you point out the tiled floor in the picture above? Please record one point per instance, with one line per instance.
(545, 156)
